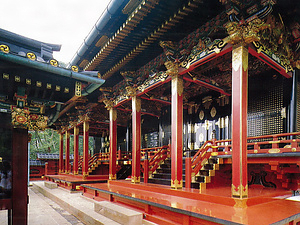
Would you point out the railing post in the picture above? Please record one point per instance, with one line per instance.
(256, 147)
(146, 168)
(188, 169)
(294, 145)
(46, 168)
(275, 142)
(213, 139)
(119, 154)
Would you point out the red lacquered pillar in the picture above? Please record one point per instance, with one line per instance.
(146, 168)
(112, 144)
(188, 170)
(85, 163)
(136, 139)
(239, 121)
(67, 157)
(19, 176)
(76, 152)
(61, 153)
(177, 132)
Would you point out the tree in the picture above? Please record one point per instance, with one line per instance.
(48, 142)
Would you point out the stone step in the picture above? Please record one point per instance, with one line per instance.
(118, 213)
(76, 204)
(50, 185)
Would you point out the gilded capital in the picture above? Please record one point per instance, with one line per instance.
(76, 130)
(240, 58)
(172, 68)
(136, 104)
(113, 114)
(108, 103)
(130, 91)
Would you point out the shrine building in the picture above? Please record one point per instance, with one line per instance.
(193, 106)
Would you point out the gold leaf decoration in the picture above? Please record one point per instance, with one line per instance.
(31, 56)
(4, 48)
(54, 62)
(20, 118)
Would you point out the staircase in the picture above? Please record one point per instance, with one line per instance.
(162, 174)
(124, 172)
(205, 174)
(203, 166)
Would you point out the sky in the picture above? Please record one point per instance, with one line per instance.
(64, 22)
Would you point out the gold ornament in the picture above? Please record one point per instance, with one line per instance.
(4, 48)
(31, 56)
(54, 62)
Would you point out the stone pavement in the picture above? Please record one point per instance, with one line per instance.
(43, 211)
(59, 206)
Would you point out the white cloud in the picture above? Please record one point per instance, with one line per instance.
(65, 22)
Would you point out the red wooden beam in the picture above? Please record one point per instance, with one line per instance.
(157, 100)
(207, 85)
(144, 113)
(269, 61)
(205, 59)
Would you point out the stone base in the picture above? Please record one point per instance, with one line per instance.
(50, 185)
(118, 213)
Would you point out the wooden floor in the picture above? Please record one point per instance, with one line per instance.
(73, 182)
(188, 206)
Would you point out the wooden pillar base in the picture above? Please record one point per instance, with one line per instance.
(135, 179)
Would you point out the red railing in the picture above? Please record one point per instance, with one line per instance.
(268, 144)
(93, 159)
(201, 157)
(153, 157)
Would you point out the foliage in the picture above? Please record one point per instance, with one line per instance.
(48, 142)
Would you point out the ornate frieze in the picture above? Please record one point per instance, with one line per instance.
(245, 32)
(275, 43)
(20, 117)
(37, 122)
(202, 49)
(153, 79)
(130, 77)
(172, 51)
